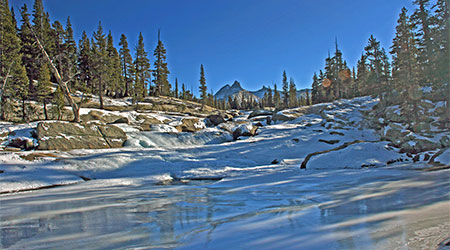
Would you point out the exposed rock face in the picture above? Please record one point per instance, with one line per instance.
(65, 136)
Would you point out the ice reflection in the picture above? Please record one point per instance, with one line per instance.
(340, 210)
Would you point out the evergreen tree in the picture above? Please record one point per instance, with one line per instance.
(116, 84)
(141, 70)
(126, 62)
(13, 77)
(315, 90)
(85, 63)
(292, 94)
(161, 72)
(58, 103)
(269, 97)
(285, 90)
(202, 88)
(378, 75)
(44, 88)
(440, 56)
(70, 58)
(99, 66)
(27, 43)
(421, 19)
(183, 92)
(176, 88)
(361, 76)
(276, 97)
(405, 66)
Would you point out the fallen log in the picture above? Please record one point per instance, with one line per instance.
(308, 157)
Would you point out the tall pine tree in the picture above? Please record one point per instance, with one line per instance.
(161, 72)
(203, 88)
(126, 62)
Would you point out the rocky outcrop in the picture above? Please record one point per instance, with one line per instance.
(66, 136)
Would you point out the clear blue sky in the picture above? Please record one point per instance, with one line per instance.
(251, 41)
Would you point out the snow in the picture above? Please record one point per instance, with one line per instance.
(345, 199)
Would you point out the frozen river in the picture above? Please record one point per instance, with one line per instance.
(290, 209)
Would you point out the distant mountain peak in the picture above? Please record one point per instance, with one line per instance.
(236, 85)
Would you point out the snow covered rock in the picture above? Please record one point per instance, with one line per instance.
(22, 143)
(246, 129)
(66, 136)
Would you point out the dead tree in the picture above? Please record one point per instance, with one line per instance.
(62, 84)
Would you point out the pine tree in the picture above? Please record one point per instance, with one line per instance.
(183, 92)
(44, 88)
(176, 88)
(84, 64)
(99, 60)
(269, 97)
(116, 84)
(276, 97)
(27, 43)
(141, 70)
(406, 66)
(70, 58)
(58, 103)
(315, 90)
(292, 94)
(126, 62)
(421, 19)
(59, 50)
(13, 77)
(202, 88)
(161, 72)
(378, 75)
(440, 56)
(285, 90)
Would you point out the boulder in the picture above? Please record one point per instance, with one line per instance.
(260, 113)
(22, 143)
(246, 129)
(215, 120)
(121, 120)
(95, 115)
(146, 122)
(282, 117)
(66, 136)
(191, 125)
(445, 141)
(426, 145)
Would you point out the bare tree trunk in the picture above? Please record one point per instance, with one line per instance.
(2, 91)
(45, 110)
(100, 93)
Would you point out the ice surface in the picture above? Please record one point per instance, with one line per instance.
(346, 199)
